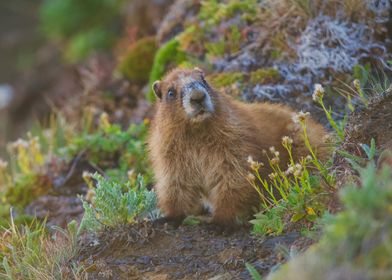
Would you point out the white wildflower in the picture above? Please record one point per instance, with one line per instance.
(318, 93)
(255, 165)
(298, 170)
(300, 117)
(286, 140)
(273, 176)
(290, 170)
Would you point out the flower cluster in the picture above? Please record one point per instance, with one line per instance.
(286, 141)
(318, 93)
(254, 165)
(299, 118)
(295, 169)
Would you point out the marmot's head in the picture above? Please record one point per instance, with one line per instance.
(188, 90)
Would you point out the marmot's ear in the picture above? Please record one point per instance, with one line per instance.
(199, 70)
(156, 87)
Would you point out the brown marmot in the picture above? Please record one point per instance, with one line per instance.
(200, 141)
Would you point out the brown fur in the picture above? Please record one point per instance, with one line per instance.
(207, 160)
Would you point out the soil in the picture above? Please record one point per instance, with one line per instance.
(365, 124)
(156, 251)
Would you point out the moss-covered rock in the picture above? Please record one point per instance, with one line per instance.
(225, 79)
(137, 61)
(167, 56)
(264, 75)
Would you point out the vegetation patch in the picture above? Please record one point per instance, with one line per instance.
(168, 55)
(83, 26)
(137, 61)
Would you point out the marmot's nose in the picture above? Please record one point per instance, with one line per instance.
(197, 97)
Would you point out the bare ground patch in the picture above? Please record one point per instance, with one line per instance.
(150, 251)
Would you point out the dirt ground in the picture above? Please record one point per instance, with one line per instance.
(152, 251)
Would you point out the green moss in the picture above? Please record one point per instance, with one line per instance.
(215, 49)
(264, 75)
(168, 55)
(81, 26)
(225, 79)
(85, 43)
(214, 12)
(228, 44)
(138, 59)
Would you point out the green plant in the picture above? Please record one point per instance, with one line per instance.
(213, 12)
(137, 61)
(225, 79)
(356, 161)
(122, 150)
(359, 237)
(264, 75)
(318, 96)
(294, 192)
(115, 203)
(29, 252)
(82, 26)
(269, 222)
(229, 44)
(253, 272)
(116, 152)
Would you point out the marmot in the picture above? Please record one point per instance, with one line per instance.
(200, 141)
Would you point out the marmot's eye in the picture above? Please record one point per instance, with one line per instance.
(171, 94)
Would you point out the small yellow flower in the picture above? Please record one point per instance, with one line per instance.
(318, 93)
(146, 121)
(310, 211)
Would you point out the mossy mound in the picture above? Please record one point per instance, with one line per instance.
(167, 56)
(137, 61)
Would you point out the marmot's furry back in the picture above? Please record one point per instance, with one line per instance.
(199, 144)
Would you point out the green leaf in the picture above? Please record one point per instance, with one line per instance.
(253, 272)
(298, 216)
